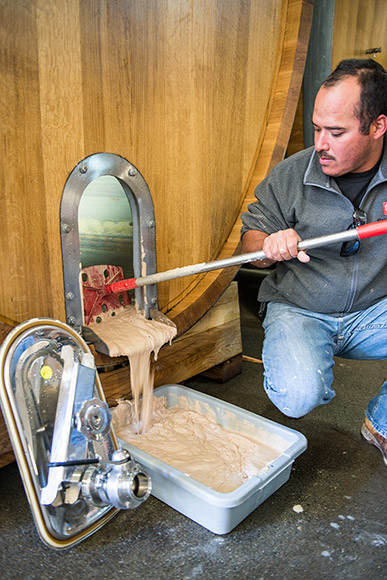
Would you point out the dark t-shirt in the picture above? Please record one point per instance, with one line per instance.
(354, 185)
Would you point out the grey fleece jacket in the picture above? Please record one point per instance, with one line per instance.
(297, 194)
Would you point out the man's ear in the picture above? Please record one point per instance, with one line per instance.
(379, 126)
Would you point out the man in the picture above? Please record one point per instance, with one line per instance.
(329, 301)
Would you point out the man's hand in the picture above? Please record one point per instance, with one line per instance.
(283, 246)
(278, 247)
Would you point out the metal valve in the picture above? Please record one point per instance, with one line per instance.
(122, 483)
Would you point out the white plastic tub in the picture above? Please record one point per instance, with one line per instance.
(216, 511)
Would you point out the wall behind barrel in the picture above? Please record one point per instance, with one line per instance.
(182, 89)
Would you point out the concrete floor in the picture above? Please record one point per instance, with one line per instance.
(340, 482)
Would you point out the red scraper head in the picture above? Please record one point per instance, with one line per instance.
(96, 299)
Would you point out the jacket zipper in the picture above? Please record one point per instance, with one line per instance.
(355, 271)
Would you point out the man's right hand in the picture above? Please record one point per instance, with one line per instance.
(277, 247)
(283, 246)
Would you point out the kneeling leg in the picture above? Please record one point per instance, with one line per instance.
(298, 360)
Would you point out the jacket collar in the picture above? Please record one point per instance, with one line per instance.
(381, 175)
(315, 176)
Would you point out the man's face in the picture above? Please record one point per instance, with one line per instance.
(340, 145)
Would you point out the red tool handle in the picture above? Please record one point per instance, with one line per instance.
(373, 229)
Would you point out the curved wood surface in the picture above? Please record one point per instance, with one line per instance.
(271, 149)
(198, 95)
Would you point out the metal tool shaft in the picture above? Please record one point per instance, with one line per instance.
(368, 230)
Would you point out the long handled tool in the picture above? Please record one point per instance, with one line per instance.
(359, 233)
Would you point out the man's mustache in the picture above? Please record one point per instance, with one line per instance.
(323, 155)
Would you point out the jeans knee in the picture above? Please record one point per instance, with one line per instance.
(295, 412)
(296, 402)
(292, 410)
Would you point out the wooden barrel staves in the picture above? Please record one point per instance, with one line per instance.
(200, 96)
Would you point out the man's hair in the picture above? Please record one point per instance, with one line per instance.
(372, 78)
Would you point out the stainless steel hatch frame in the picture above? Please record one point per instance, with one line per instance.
(74, 474)
(144, 234)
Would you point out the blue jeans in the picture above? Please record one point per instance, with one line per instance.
(298, 353)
